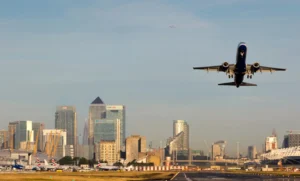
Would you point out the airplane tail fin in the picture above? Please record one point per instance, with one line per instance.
(233, 84)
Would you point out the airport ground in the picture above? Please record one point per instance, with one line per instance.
(249, 176)
(149, 176)
(88, 176)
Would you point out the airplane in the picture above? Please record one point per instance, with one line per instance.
(17, 166)
(240, 68)
(107, 168)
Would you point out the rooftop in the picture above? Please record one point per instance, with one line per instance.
(97, 101)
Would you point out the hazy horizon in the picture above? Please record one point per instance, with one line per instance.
(141, 54)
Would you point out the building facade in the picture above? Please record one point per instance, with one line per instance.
(291, 140)
(11, 134)
(104, 130)
(108, 130)
(108, 152)
(3, 139)
(271, 143)
(24, 133)
(115, 112)
(181, 126)
(215, 151)
(66, 119)
(252, 152)
(135, 144)
(97, 111)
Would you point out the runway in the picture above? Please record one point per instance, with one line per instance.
(202, 176)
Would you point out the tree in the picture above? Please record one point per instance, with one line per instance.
(131, 163)
(103, 161)
(67, 160)
(118, 164)
(83, 161)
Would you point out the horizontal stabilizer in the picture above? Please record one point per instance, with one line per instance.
(233, 84)
(228, 83)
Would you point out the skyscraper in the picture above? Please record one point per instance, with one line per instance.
(182, 126)
(12, 134)
(97, 111)
(24, 133)
(85, 139)
(106, 130)
(65, 118)
(114, 112)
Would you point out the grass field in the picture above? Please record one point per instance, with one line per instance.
(89, 176)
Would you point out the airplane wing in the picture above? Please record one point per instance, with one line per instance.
(265, 69)
(270, 69)
(214, 68)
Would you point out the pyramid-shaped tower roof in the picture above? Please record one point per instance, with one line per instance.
(97, 101)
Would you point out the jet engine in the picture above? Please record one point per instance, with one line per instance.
(255, 67)
(224, 66)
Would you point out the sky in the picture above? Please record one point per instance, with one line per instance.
(141, 54)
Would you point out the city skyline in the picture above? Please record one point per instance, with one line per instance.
(65, 53)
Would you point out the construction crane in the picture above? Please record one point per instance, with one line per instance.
(56, 144)
(48, 144)
(36, 143)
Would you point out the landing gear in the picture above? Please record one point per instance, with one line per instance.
(250, 76)
(231, 76)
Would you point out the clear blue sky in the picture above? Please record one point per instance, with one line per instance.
(69, 52)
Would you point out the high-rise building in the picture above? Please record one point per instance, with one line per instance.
(97, 111)
(66, 119)
(85, 139)
(292, 139)
(252, 153)
(104, 130)
(181, 126)
(108, 152)
(271, 143)
(135, 144)
(24, 133)
(3, 139)
(12, 134)
(107, 130)
(114, 112)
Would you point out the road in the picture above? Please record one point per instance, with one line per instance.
(205, 176)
